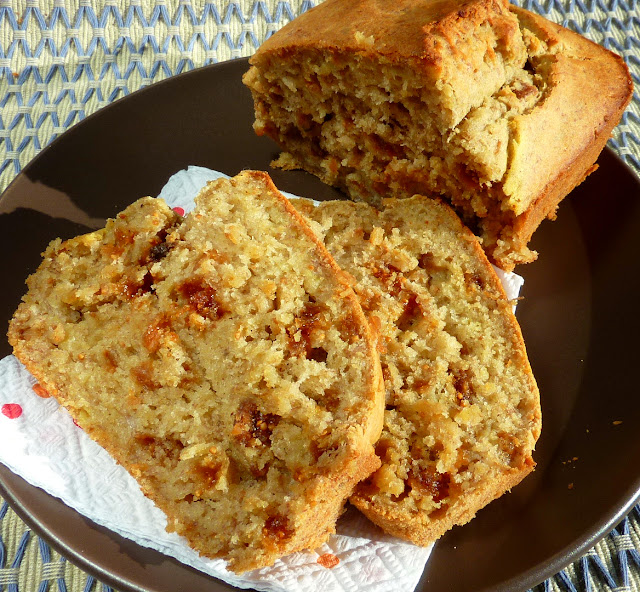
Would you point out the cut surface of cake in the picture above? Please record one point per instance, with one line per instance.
(494, 108)
(221, 358)
(462, 406)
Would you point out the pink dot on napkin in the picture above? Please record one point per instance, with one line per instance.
(11, 410)
(178, 210)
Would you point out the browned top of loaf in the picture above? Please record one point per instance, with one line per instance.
(402, 28)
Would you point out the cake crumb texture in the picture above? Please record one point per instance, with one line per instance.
(492, 107)
(462, 406)
(221, 358)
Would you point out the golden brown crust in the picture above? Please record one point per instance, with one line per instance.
(403, 29)
(436, 39)
(424, 532)
(589, 89)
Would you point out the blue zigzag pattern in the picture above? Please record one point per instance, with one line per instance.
(630, 7)
(591, 570)
(53, 71)
(135, 14)
(51, 571)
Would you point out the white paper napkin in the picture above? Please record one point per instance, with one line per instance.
(40, 442)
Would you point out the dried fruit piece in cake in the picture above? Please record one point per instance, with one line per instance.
(222, 358)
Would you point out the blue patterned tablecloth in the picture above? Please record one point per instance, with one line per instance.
(61, 60)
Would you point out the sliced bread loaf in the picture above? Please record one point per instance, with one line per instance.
(462, 406)
(221, 358)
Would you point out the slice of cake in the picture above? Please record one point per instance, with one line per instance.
(462, 406)
(495, 108)
(222, 358)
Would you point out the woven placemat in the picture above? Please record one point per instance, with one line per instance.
(63, 60)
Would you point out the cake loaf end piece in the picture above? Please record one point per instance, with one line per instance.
(495, 109)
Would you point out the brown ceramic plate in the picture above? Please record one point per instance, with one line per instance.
(578, 318)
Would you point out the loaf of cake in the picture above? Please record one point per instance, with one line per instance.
(462, 406)
(223, 359)
(492, 107)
